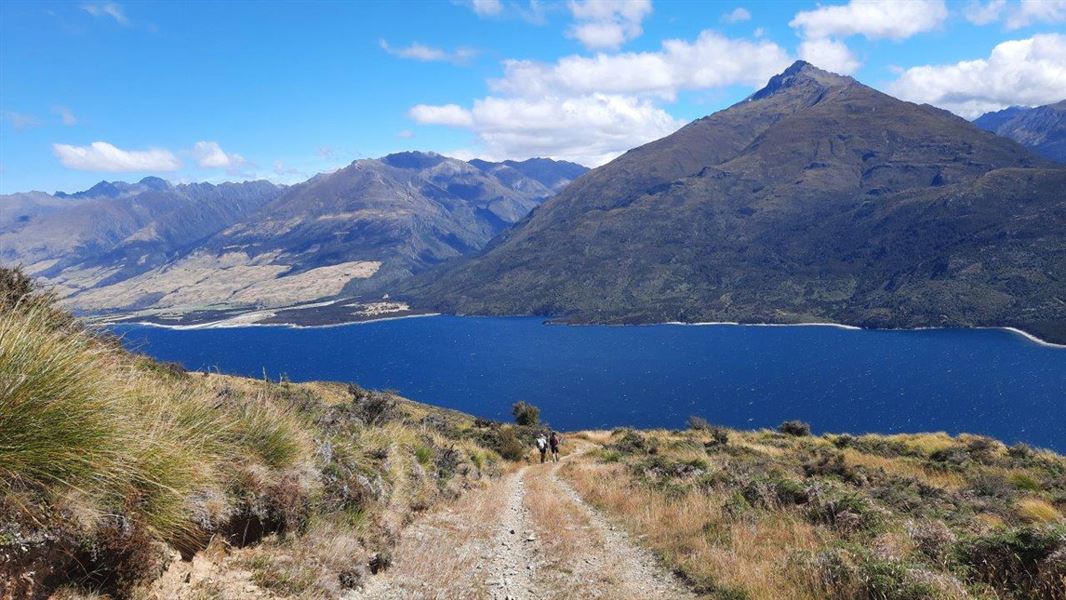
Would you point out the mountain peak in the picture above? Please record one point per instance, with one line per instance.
(413, 160)
(801, 73)
(155, 183)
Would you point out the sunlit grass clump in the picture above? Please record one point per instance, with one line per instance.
(111, 463)
(77, 414)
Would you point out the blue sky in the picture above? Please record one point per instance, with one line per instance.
(240, 90)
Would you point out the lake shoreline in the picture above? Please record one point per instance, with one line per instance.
(229, 324)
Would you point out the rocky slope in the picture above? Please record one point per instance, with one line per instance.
(817, 198)
(152, 246)
(117, 230)
(1042, 128)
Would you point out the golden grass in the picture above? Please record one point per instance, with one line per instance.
(906, 467)
(1037, 510)
(693, 535)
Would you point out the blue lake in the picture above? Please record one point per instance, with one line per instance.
(991, 382)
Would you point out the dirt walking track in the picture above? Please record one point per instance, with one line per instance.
(529, 536)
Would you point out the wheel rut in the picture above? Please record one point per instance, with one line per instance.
(529, 536)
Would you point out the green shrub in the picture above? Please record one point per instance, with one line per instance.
(526, 415)
(795, 428)
(629, 441)
(1023, 481)
(423, 454)
(845, 510)
(854, 573)
(508, 445)
(1028, 561)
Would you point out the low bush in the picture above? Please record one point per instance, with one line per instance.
(509, 446)
(374, 408)
(843, 509)
(1029, 561)
(852, 573)
(696, 423)
(628, 441)
(525, 414)
(795, 428)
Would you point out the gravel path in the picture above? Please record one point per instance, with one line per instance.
(513, 568)
(487, 546)
(638, 570)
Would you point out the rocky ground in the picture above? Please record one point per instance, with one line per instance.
(528, 536)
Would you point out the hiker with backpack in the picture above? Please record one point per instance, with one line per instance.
(542, 446)
(554, 440)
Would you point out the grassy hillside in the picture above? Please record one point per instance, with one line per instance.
(122, 477)
(771, 515)
(113, 466)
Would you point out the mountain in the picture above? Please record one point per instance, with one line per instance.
(815, 199)
(152, 245)
(1042, 129)
(552, 174)
(116, 230)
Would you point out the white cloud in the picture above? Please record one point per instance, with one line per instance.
(832, 55)
(590, 129)
(1017, 14)
(1025, 72)
(591, 108)
(983, 14)
(405, 134)
(484, 8)
(107, 9)
(823, 28)
(101, 156)
(711, 60)
(18, 120)
(1036, 11)
(737, 15)
(607, 24)
(212, 156)
(446, 114)
(417, 51)
(65, 115)
(281, 169)
(874, 19)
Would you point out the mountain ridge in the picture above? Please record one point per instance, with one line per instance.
(154, 245)
(1040, 128)
(815, 199)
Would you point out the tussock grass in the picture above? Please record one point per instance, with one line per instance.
(79, 414)
(759, 514)
(110, 461)
(1037, 510)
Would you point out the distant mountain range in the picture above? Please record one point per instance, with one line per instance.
(1042, 129)
(815, 199)
(154, 245)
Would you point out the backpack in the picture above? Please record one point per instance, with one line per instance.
(541, 444)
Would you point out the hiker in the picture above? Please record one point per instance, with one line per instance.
(542, 445)
(554, 440)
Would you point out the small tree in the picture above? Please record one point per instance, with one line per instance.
(525, 414)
